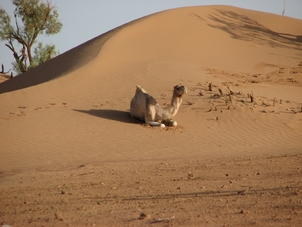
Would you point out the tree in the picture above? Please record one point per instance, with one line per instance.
(283, 8)
(31, 18)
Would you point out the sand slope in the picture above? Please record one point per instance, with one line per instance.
(74, 109)
(4, 77)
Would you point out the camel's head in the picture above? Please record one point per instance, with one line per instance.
(179, 90)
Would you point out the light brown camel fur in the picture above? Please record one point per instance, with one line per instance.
(143, 106)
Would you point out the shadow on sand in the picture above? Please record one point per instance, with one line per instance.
(114, 115)
(244, 28)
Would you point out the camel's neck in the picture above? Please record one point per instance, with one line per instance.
(175, 104)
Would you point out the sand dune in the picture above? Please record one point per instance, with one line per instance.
(74, 109)
(4, 77)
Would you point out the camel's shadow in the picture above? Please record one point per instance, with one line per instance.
(114, 115)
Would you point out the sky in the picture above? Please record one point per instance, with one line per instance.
(85, 19)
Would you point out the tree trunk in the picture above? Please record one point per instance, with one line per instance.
(30, 58)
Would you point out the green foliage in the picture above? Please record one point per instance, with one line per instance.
(32, 18)
(43, 54)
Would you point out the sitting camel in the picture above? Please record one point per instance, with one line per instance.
(145, 107)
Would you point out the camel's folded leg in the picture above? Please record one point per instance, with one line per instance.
(174, 123)
(150, 117)
(153, 123)
(169, 122)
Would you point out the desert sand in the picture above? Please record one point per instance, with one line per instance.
(4, 77)
(71, 155)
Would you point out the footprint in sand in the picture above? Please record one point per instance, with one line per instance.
(20, 113)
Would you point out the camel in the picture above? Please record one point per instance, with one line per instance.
(144, 107)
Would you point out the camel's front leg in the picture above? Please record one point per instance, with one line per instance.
(154, 123)
(150, 118)
(169, 122)
(174, 123)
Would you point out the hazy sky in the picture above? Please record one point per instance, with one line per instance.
(85, 19)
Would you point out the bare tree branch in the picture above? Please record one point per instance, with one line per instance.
(283, 8)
